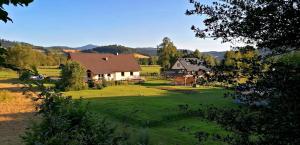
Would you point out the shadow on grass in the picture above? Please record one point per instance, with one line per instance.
(11, 81)
(154, 111)
(146, 84)
(12, 126)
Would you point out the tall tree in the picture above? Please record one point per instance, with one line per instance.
(167, 53)
(272, 24)
(197, 54)
(4, 14)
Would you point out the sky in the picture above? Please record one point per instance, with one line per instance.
(133, 23)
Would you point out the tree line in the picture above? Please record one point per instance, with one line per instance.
(24, 56)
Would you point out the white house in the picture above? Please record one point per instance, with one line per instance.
(108, 66)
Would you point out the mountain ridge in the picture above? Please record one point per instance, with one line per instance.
(149, 51)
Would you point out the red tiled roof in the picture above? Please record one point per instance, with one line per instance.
(97, 63)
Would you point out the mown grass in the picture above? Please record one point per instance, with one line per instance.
(147, 107)
(50, 71)
(150, 69)
(7, 74)
(151, 107)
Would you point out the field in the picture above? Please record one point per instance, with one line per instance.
(15, 109)
(153, 108)
(50, 71)
(150, 69)
(149, 110)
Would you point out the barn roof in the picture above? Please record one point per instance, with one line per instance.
(193, 64)
(106, 63)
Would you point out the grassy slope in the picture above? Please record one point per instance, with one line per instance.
(150, 69)
(149, 107)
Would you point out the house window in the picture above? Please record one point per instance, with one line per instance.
(108, 75)
(131, 73)
(122, 74)
(178, 64)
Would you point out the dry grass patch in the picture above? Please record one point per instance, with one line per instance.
(15, 112)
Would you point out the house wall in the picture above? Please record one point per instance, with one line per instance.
(117, 76)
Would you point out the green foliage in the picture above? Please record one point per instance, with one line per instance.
(197, 54)
(66, 121)
(144, 61)
(241, 64)
(3, 14)
(72, 77)
(25, 75)
(167, 54)
(24, 56)
(264, 23)
(271, 94)
(153, 60)
(209, 60)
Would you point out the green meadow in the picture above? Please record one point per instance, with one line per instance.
(150, 110)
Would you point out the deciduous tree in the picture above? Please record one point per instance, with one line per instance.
(167, 53)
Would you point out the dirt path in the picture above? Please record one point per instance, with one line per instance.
(14, 115)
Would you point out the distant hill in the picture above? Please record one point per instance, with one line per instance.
(86, 47)
(150, 51)
(219, 55)
(147, 51)
(8, 43)
(114, 49)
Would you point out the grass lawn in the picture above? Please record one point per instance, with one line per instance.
(153, 108)
(51, 71)
(150, 69)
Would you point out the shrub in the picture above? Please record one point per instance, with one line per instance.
(91, 84)
(72, 77)
(104, 82)
(25, 75)
(65, 121)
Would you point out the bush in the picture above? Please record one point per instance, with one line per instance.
(68, 122)
(25, 75)
(91, 84)
(72, 77)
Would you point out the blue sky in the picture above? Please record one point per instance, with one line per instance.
(134, 23)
